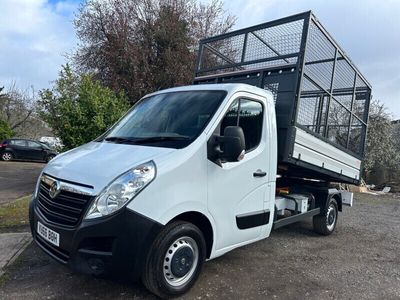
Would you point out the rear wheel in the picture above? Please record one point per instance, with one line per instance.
(325, 223)
(7, 156)
(175, 260)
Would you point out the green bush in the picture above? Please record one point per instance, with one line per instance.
(79, 108)
(5, 130)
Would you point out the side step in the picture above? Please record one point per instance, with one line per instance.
(295, 218)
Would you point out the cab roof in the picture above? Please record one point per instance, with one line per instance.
(230, 88)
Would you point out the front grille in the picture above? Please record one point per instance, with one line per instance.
(67, 208)
(55, 252)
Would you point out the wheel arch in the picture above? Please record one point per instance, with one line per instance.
(203, 223)
(338, 197)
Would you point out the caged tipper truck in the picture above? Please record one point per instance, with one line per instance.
(276, 115)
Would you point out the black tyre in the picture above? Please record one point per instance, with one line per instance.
(7, 156)
(325, 223)
(175, 260)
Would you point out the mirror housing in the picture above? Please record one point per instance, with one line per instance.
(233, 144)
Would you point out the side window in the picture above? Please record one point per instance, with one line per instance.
(231, 117)
(33, 144)
(247, 114)
(251, 121)
(20, 143)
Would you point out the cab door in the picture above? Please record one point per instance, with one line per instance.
(237, 190)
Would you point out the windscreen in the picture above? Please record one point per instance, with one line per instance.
(172, 119)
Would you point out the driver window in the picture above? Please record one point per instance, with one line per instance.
(231, 117)
(248, 114)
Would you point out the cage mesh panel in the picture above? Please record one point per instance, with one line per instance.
(231, 48)
(273, 88)
(344, 75)
(362, 94)
(319, 48)
(210, 59)
(345, 100)
(356, 133)
(318, 45)
(338, 123)
(308, 86)
(308, 112)
(321, 73)
(312, 113)
(284, 39)
(360, 83)
(258, 50)
(359, 105)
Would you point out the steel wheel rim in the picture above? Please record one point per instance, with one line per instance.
(175, 258)
(331, 217)
(7, 156)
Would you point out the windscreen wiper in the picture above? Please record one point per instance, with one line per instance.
(119, 140)
(161, 138)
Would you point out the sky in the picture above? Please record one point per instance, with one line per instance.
(36, 36)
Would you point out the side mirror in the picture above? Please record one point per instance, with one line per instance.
(233, 144)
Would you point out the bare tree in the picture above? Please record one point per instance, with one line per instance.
(18, 109)
(16, 106)
(144, 45)
(382, 152)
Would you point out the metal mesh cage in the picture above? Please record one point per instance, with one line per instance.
(328, 74)
(315, 85)
(265, 46)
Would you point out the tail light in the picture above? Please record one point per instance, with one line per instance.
(3, 145)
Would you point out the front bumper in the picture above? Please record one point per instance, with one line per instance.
(117, 244)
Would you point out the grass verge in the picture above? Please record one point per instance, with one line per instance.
(15, 214)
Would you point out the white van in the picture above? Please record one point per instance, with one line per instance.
(186, 175)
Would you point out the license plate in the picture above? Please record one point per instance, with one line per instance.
(48, 234)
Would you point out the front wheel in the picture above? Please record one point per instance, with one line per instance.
(175, 260)
(325, 223)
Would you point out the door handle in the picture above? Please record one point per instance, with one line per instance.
(259, 173)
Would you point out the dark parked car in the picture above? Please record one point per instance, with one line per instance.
(25, 149)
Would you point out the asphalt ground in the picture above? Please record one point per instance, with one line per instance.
(360, 260)
(18, 179)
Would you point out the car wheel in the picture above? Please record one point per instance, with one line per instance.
(175, 260)
(50, 157)
(325, 223)
(7, 156)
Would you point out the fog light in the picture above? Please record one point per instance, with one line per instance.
(96, 264)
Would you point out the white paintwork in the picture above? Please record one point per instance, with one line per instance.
(233, 190)
(97, 164)
(186, 181)
(347, 198)
(282, 203)
(310, 149)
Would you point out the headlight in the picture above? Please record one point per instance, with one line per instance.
(123, 189)
(36, 192)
